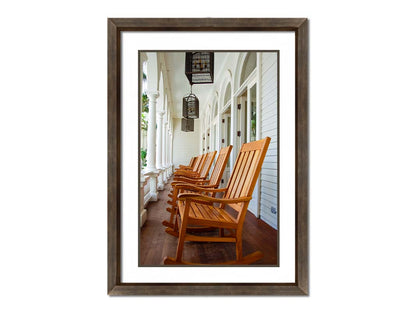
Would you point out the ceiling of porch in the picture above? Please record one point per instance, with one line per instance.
(179, 84)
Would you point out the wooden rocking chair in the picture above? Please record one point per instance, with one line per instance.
(213, 182)
(194, 172)
(209, 211)
(207, 160)
(190, 166)
(203, 173)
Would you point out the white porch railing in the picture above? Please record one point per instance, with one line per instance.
(145, 190)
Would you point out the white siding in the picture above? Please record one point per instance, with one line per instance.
(185, 144)
(269, 188)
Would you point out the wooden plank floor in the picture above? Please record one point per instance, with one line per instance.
(156, 244)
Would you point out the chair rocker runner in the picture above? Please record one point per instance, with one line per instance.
(203, 210)
(213, 182)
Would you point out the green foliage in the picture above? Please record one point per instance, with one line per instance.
(144, 122)
(253, 125)
(143, 153)
(145, 103)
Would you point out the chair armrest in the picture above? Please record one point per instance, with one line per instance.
(197, 184)
(210, 186)
(183, 170)
(203, 198)
(191, 180)
(185, 174)
(192, 187)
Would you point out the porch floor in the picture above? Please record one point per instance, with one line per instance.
(155, 244)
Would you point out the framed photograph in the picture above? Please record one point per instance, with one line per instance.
(207, 156)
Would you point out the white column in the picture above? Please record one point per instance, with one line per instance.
(150, 169)
(159, 140)
(171, 150)
(164, 151)
(164, 148)
(159, 153)
(167, 151)
(151, 131)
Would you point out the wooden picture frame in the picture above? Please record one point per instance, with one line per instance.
(297, 25)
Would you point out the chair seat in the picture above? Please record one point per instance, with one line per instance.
(203, 214)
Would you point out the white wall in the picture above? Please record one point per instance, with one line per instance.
(185, 144)
(53, 222)
(268, 177)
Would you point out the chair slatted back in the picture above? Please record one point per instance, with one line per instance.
(220, 164)
(201, 163)
(197, 162)
(192, 162)
(207, 165)
(246, 171)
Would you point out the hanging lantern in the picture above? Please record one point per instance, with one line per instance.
(199, 67)
(190, 106)
(187, 125)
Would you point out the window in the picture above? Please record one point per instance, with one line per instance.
(227, 96)
(249, 65)
(253, 113)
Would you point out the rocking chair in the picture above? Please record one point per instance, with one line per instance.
(213, 182)
(193, 166)
(209, 211)
(203, 172)
(195, 172)
(190, 166)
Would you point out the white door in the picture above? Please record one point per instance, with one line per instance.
(225, 141)
(251, 135)
(246, 121)
(241, 120)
